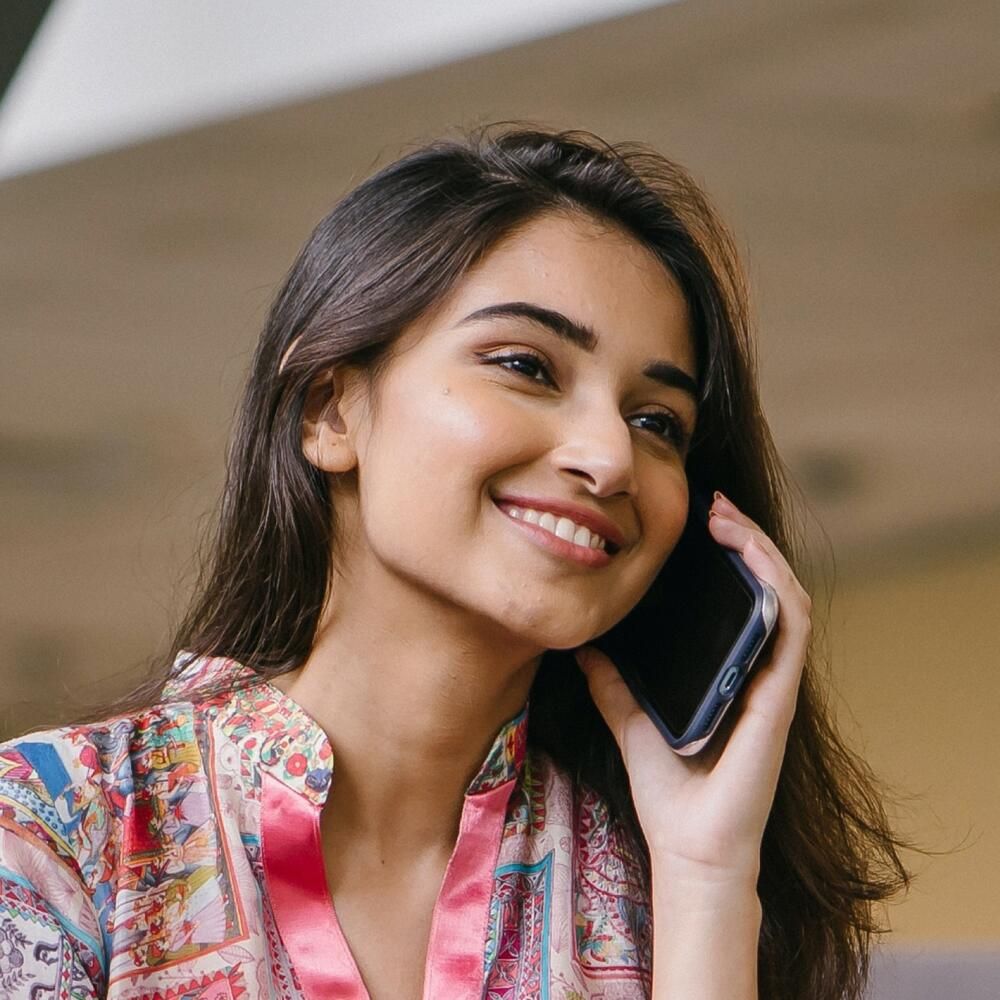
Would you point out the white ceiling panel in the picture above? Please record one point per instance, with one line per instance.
(103, 75)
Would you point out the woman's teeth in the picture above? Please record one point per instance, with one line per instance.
(562, 527)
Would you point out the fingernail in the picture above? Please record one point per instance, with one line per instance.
(581, 659)
(724, 501)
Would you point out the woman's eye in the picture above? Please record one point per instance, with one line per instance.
(530, 361)
(672, 428)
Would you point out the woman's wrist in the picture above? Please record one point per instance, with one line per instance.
(706, 928)
(673, 874)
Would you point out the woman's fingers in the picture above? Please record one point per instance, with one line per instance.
(723, 505)
(727, 510)
(794, 604)
(739, 534)
(768, 703)
(609, 691)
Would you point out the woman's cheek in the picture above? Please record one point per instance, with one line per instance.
(663, 521)
(490, 434)
(458, 419)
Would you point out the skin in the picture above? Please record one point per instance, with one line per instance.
(442, 606)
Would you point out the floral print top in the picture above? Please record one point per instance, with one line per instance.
(174, 854)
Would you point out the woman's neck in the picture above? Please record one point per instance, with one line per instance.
(410, 720)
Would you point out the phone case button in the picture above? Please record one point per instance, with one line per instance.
(728, 682)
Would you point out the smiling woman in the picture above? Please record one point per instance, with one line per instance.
(370, 766)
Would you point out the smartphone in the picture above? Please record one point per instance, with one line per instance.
(686, 648)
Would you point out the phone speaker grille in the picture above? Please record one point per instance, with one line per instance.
(711, 719)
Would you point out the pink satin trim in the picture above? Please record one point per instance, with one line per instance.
(296, 881)
(455, 953)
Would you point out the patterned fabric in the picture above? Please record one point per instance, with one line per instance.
(132, 863)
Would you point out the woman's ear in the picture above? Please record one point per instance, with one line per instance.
(327, 424)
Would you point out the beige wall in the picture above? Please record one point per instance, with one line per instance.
(916, 664)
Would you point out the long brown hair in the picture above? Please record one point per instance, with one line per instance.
(393, 247)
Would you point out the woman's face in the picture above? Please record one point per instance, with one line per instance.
(463, 430)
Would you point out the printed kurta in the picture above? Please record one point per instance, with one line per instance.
(175, 854)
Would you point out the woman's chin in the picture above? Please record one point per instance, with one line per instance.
(554, 637)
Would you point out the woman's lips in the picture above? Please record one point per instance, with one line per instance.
(594, 558)
(578, 513)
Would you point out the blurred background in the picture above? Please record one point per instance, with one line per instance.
(161, 164)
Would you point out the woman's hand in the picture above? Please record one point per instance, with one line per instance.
(703, 816)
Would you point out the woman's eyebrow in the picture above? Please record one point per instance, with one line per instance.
(584, 337)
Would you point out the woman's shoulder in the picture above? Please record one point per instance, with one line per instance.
(51, 897)
(73, 800)
(74, 788)
(69, 788)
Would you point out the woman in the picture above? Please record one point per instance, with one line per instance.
(373, 703)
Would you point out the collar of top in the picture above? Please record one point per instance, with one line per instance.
(280, 737)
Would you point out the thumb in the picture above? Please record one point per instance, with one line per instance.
(609, 691)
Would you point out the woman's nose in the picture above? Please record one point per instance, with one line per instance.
(598, 446)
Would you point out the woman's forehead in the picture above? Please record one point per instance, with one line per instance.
(594, 274)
